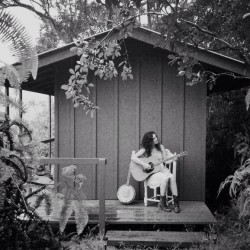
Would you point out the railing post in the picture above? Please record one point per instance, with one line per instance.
(102, 180)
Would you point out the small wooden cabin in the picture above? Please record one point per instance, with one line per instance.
(156, 99)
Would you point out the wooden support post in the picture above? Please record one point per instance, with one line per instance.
(148, 15)
(102, 176)
(7, 107)
(50, 125)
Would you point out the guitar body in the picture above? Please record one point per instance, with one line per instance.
(138, 171)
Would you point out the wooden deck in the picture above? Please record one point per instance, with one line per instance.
(144, 221)
(192, 212)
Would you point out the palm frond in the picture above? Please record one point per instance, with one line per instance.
(236, 180)
(9, 72)
(46, 198)
(13, 34)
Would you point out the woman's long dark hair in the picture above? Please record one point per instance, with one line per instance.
(148, 143)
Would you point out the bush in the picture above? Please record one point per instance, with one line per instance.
(20, 226)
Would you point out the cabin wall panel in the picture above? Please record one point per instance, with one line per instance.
(150, 96)
(171, 110)
(107, 134)
(172, 113)
(85, 147)
(128, 125)
(64, 111)
(195, 127)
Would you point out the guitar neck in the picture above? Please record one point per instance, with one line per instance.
(168, 159)
(128, 177)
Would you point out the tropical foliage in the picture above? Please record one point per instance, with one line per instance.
(21, 195)
(74, 19)
(240, 187)
(72, 199)
(227, 135)
(98, 57)
(37, 116)
(21, 227)
(13, 34)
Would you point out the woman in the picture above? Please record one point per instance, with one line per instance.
(152, 147)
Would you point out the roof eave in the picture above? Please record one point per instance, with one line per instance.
(153, 37)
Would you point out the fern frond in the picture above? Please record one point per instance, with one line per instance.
(9, 72)
(81, 216)
(11, 162)
(46, 198)
(38, 201)
(43, 186)
(246, 207)
(225, 183)
(4, 174)
(13, 34)
(236, 180)
(67, 209)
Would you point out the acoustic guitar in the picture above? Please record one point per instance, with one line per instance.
(140, 173)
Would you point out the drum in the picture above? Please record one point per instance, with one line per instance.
(126, 194)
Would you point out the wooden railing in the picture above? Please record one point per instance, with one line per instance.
(101, 163)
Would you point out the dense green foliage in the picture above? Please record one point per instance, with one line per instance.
(75, 18)
(37, 116)
(21, 227)
(228, 124)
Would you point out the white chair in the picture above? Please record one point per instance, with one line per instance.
(156, 194)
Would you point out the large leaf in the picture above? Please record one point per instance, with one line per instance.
(66, 211)
(81, 216)
(13, 34)
(247, 99)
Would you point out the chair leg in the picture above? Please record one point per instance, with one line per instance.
(145, 194)
(155, 193)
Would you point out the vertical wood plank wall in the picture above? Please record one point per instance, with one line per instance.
(156, 99)
(129, 99)
(64, 125)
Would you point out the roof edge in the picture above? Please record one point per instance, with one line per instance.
(152, 37)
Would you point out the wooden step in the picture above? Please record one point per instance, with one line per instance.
(153, 238)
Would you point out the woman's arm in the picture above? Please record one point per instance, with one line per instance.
(167, 154)
(135, 158)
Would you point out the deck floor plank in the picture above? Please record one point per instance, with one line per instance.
(192, 212)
